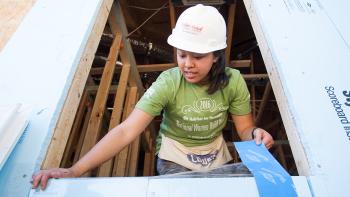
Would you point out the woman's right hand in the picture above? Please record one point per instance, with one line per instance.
(41, 177)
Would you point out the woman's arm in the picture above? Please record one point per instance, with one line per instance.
(111, 144)
(245, 128)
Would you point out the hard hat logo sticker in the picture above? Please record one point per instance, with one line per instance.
(191, 28)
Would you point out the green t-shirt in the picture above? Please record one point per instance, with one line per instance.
(191, 116)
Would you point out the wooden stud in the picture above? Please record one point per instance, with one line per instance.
(262, 105)
(129, 16)
(252, 88)
(121, 161)
(106, 168)
(65, 121)
(279, 150)
(172, 15)
(135, 145)
(94, 125)
(92, 90)
(75, 132)
(147, 164)
(83, 129)
(117, 25)
(230, 25)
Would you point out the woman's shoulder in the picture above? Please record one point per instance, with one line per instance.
(234, 74)
(171, 76)
(232, 71)
(172, 73)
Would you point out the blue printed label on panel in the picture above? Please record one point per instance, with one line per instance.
(270, 176)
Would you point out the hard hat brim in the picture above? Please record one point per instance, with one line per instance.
(194, 47)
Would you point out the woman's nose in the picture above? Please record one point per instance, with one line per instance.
(189, 62)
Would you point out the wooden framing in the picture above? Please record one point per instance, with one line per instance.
(94, 124)
(75, 132)
(263, 103)
(105, 169)
(122, 160)
(83, 130)
(117, 23)
(61, 133)
(172, 14)
(135, 145)
(230, 25)
(252, 88)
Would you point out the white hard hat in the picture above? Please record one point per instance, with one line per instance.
(199, 29)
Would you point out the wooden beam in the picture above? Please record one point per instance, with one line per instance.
(172, 16)
(121, 161)
(230, 28)
(279, 150)
(155, 67)
(75, 132)
(135, 145)
(92, 89)
(262, 105)
(98, 109)
(148, 169)
(65, 121)
(129, 17)
(147, 164)
(83, 130)
(106, 168)
(117, 25)
(240, 63)
(252, 88)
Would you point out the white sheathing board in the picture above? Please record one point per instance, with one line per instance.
(37, 66)
(6, 114)
(305, 46)
(159, 187)
(130, 187)
(13, 121)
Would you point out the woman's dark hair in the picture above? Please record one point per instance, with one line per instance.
(217, 78)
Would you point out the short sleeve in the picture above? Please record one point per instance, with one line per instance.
(157, 96)
(240, 103)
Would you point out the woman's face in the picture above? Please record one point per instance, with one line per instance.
(195, 66)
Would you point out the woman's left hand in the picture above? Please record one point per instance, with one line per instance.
(262, 136)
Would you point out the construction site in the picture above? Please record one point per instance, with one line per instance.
(74, 70)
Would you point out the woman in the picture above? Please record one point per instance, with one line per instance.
(196, 99)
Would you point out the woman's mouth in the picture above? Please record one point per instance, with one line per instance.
(189, 75)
